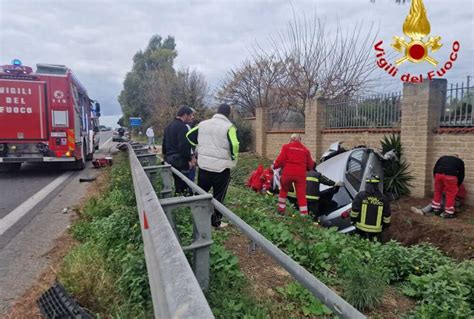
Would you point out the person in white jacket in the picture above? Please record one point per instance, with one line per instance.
(217, 147)
(150, 134)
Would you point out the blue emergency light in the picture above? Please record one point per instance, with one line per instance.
(16, 62)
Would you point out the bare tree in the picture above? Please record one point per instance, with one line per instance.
(191, 89)
(252, 85)
(307, 59)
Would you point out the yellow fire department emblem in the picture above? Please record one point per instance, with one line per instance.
(416, 27)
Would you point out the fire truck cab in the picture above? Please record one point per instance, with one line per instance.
(45, 116)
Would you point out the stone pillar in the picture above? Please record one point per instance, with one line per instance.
(261, 122)
(314, 123)
(421, 107)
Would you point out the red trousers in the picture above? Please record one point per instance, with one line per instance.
(300, 188)
(448, 185)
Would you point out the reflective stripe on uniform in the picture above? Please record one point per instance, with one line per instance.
(435, 205)
(312, 179)
(312, 197)
(386, 220)
(379, 216)
(369, 228)
(354, 214)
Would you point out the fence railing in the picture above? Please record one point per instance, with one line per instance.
(379, 111)
(457, 111)
(281, 119)
(160, 219)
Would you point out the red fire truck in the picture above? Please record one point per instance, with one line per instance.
(45, 116)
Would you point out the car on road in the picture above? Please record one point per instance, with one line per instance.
(104, 128)
(352, 167)
(116, 136)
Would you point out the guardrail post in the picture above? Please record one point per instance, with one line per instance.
(167, 180)
(201, 209)
(147, 159)
(151, 173)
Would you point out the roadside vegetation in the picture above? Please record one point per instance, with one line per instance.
(361, 270)
(106, 272)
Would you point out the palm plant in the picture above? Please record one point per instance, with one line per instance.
(397, 177)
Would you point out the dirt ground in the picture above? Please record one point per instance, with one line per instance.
(265, 276)
(453, 236)
(25, 306)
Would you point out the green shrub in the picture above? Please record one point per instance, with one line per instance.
(299, 299)
(447, 293)
(397, 178)
(363, 282)
(244, 134)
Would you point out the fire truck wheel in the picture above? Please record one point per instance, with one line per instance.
(90, 157)
(80, 164)
(9, 167)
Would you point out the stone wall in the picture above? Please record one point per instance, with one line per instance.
(275, 140)
(253, 124)
(462, 144)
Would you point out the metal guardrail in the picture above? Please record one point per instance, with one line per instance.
(333, 301)
(174, 288)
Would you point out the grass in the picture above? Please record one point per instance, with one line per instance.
(107, 271)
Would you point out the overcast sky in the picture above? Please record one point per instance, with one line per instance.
(98, 38)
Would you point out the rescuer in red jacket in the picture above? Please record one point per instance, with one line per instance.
(448, 176)
(295, 160)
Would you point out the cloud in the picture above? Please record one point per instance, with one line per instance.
(98, 38)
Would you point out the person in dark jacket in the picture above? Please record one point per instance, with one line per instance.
(371, 211)
(317, 199)
(176, 148)
(448, 175)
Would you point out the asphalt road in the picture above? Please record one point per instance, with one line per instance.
(17, 187)
(32, 217)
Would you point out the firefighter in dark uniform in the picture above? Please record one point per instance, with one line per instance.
(371, 211)
(316, 199)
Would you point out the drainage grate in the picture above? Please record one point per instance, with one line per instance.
(55, 303)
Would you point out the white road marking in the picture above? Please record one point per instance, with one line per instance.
(15, 215)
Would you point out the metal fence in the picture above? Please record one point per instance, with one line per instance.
(457, 111)
(378, 111)
(280, 119)
(169, 272)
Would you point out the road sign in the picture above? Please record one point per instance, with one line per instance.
(135, 121)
